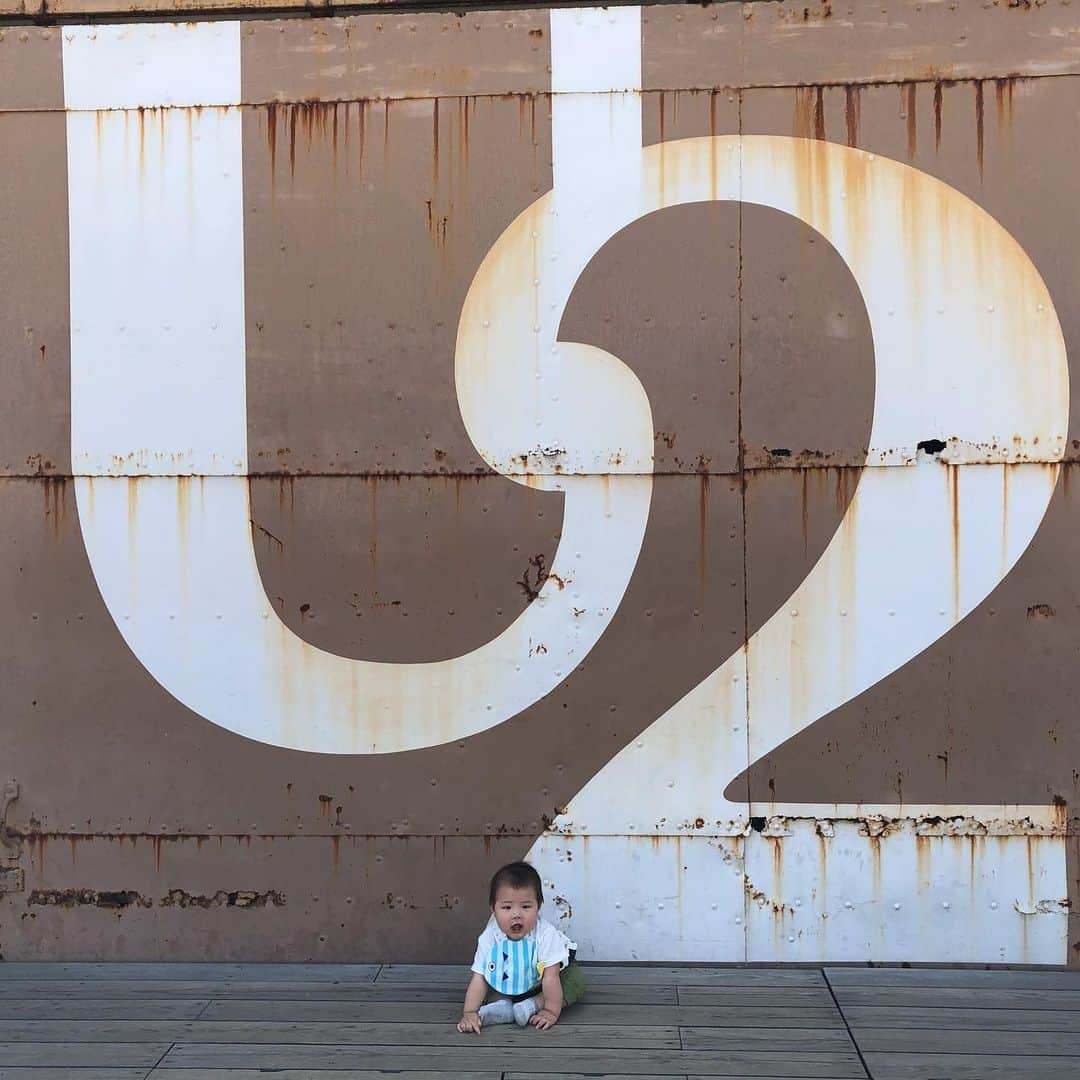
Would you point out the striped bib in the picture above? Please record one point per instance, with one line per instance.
(512, 967)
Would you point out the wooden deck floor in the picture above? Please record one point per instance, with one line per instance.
(239, 1022)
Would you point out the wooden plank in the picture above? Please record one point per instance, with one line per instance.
(767, 1039)
(604, 974)
(317, 991)
(796, 997)
(927, 1040)
(969, 1067)
(587, 1012)
(589, 1076)
(341, 1034)
(975, 978)
(82, 1009)
(302, 1074)
(183, 972)
(897, 997)
(81, 1055)
(18, 1072)
(533, 1055)
(876, 1016)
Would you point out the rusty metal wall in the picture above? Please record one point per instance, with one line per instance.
(635, 438)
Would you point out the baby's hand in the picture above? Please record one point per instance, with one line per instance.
(542, 1019)
(469, 1021)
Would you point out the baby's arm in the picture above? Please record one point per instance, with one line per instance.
(551, 987)
(474, 998)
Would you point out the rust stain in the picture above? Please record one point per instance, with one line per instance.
(703, 515)
(979, 124)
(361, 125)
(954, 496)
(938, 88)
(112, 900)
(819, 113)
(852, 102)
(805, 476)
(271, 143)
(54, 497)
(1003, 99)
(909, 103)
(922, 862)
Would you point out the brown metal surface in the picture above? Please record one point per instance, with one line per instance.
(383, 155)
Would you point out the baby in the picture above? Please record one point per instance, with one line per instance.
(522, 963)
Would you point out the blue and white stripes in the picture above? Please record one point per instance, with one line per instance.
(511, 967)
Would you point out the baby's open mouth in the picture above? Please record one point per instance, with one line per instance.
(516, 927)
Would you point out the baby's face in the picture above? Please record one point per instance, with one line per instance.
(515, 911)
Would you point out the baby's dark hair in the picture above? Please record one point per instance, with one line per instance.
(518, 875)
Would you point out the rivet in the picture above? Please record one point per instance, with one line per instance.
(993, 905)
(892, 311)
(941, 311)
(671, 783)
(794, 613)
(536, 329)
(843, 194)
(848, 904)
(990, 308)
(798, 903)
(639, 744)
(618, 903)
(891, 612)
(715, 906)
(738, 920)
(1039, 307)
(536, 281)
(535, 234)
(661, 905)
(843, 611)
(896, 907)
(945, 904)
(487, 323)
(791, 941)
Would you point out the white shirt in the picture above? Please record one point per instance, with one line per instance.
(516, 967)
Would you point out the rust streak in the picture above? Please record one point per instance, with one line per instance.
(979, 124)
(851, 113)
(938, 89)
(910, 91)
(271, 143)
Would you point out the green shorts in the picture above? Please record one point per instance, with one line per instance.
(572, 979)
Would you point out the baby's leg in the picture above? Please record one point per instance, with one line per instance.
(524, 1010)
(500, 1010)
